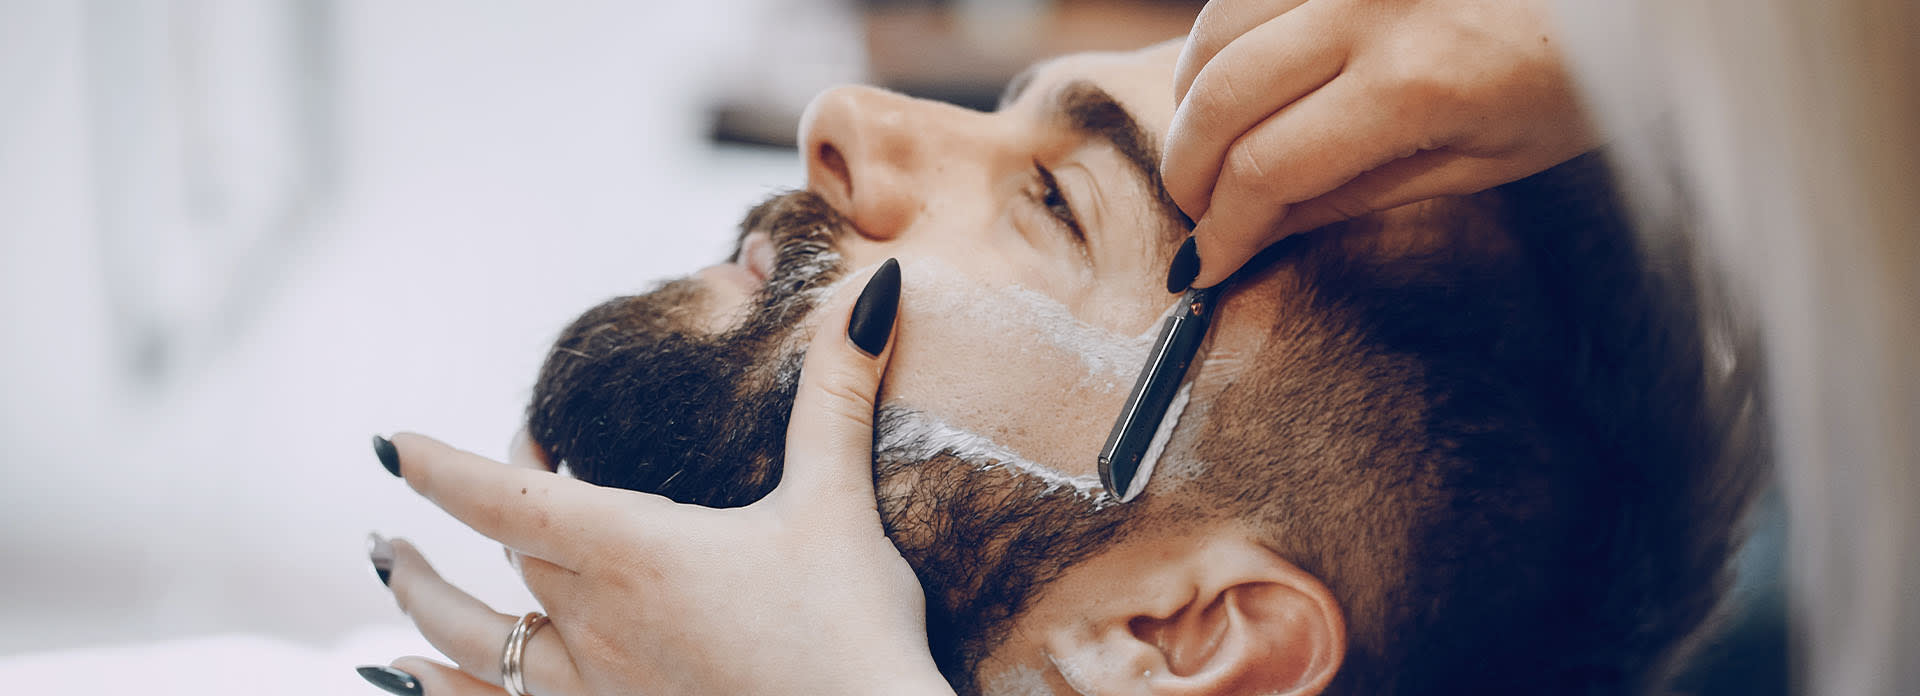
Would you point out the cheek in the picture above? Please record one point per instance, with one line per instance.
(1012, 366)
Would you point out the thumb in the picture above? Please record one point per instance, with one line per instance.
(830, 434)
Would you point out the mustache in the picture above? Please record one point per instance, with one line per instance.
(626, 369)
(635, 395)
(804, 229)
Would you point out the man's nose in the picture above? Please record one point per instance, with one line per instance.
(875, 155)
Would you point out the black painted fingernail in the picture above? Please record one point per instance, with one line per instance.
(380, 551)
(389, 457)
(392, 680)
(872, 322)
(1186, 265)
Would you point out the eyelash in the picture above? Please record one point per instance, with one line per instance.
(1048, 196)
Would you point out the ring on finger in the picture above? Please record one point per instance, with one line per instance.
(511, 675)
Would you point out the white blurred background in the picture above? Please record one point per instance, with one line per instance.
(238, 238)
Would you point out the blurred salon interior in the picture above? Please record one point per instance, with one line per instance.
(239, 236)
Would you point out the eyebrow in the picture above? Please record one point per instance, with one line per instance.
(1093, 114)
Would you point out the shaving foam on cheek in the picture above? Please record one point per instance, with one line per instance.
(1075, 673)
(1006, 374)
(915, 435)
(1103, 354)
(1010, 366)
(1028, 315)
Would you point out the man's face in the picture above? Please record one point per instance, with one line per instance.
(1377, 432)
(1033, 243)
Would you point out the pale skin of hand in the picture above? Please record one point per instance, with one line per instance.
(1293, 114)
(800, 592)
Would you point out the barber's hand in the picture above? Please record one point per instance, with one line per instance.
(800, 592)
(1292, 114)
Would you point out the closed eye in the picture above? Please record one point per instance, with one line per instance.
(1046, 194)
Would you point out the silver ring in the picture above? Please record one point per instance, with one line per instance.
(510, 675)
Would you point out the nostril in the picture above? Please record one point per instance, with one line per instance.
(836, 164)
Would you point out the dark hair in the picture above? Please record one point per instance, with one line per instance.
(1508, 451)
(1491, 425)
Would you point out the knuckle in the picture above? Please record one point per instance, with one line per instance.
(848, 399)
(537, 517)
(1417, 108)
(1212, 95)
(592, 638)
(1349, 206)
(1421, 88)
(843, 386)
(487, 513)
(477, 656)
(1211, 30)
(1419, 80)
(632, 565)
(1246, 167)
(1344, 205)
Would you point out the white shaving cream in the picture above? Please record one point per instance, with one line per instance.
(1109, 361)
(1105, 355)
(917, 435)
(1077, 678)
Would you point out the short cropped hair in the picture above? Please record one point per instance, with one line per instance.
(1509, 453)
(1490, 424)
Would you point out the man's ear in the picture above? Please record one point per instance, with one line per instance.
(1224, 615)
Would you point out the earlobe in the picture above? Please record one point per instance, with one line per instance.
(1230, 618)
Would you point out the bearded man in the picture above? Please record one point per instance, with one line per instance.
(1470, 445)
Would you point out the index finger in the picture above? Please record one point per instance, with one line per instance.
(1217, 25)
(537, 513)
(1274, 64)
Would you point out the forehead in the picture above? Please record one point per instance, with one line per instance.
(1142, 80)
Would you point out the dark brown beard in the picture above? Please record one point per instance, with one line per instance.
(633, 396)
(1551, 440)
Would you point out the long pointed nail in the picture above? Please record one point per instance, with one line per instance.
(1186, 265)
(389, 457)
(872, 323)
(392, 680)
(380, 551)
